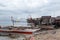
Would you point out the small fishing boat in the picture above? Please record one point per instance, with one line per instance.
(24, 31)
(14, 32)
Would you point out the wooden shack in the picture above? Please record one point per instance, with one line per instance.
(45, 20)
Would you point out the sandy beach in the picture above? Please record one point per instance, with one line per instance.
(48, 35)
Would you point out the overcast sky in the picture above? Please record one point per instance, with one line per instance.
(24, 8)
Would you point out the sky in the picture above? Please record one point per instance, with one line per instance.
(20, 9)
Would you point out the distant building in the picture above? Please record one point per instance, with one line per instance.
(45, 19)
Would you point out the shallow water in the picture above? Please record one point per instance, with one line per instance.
(8, 38)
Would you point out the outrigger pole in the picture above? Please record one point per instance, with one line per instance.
(12, 20)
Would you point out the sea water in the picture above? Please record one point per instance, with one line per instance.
(9, 23)
(8, 38)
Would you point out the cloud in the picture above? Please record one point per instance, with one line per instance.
(26, 7)
(17, 7)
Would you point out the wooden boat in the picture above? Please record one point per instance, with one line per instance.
(24, 31)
